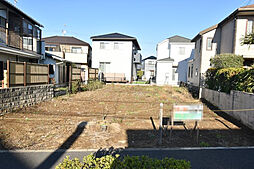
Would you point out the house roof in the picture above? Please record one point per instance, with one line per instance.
(150, 57)
(116, 36)
(9, 5)
(69, 40)
(178, 38)
(203, 32)
(166, 60)
(248, 6)
(49, 55)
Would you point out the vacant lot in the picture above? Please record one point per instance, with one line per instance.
(116, 115)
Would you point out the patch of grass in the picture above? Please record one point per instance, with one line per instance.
(139, 82)
(204, 144)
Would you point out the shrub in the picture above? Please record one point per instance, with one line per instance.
(228, 79)
(227, 60)
(248, 39)
(92, 85)
(75, 87)
(114, 162)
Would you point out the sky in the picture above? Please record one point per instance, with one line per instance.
(150, 21)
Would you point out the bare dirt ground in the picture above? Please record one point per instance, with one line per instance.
(124, 110)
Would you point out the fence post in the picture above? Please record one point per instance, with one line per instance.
(24, 73)
(70, 78)
(8, 74)
(161, 121)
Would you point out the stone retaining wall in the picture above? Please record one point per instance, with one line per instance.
(19, 97)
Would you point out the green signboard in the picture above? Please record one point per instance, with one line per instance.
(188, 112)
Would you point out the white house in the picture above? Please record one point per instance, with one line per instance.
(226, 37)
(165, 75)
(116, 53)
(173, 49)
(149, 67)
(72, 50)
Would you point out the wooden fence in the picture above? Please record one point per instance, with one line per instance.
(93, 73)
(75, 74)
(25, 74)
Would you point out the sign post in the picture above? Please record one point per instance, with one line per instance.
(192, 112)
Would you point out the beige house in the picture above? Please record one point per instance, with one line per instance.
(226, 37)
(72, 51)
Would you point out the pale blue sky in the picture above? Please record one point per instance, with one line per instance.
(150, 21)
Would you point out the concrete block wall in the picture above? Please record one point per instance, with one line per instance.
(236, 101)
(19, 97)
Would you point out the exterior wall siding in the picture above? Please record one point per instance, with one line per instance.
(227, 37)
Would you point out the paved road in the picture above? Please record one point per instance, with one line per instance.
(212, 158)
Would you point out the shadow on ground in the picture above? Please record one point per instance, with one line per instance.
(51, 160)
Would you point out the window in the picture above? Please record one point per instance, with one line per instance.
(37, 33)
(181, 50)
(116, 45)
(27, 43)
(102, 45)
(76, 50)
(196, 73)
(209, 44)
(27, 28)
(2, 22)
(3, 18)
(249, 28)
(30, 29)
(191, 70)
(105, 67)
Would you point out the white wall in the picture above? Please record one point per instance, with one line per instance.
(76, 58)
(182, 69)
(175, 51)
(246, 50)
(164, 73)
(207, 54)
(120, 59)
(163, 50)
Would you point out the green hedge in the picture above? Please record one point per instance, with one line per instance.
(227, 60)
(114, 162)
(228, 79)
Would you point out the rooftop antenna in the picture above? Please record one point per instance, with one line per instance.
(64, 30)
(15, 2)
